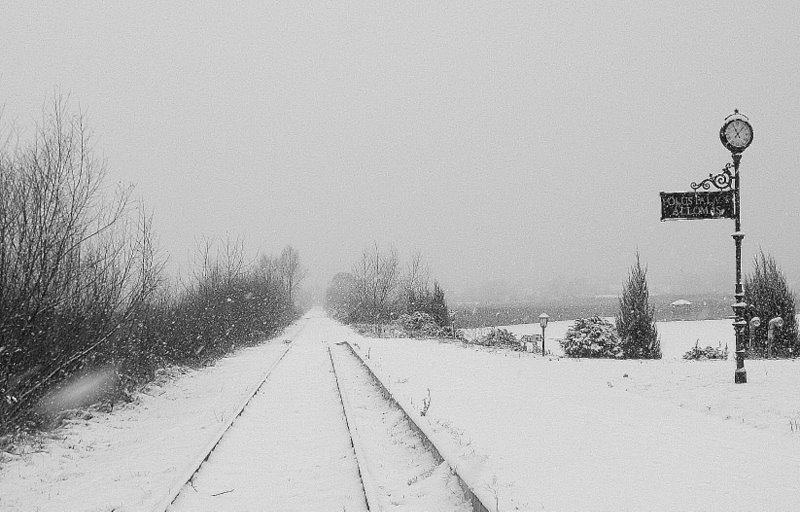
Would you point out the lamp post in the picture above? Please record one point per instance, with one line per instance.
(736, 135)
(543, 319)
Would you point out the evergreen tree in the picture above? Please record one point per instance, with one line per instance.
(437, 306)
(635, 321)
(769, 296)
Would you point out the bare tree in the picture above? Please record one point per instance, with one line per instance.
(290, 270)
(376, 279)
(414, 284)
(73, 269)
(81, 283)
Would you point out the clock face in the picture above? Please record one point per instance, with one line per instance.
(738, 134)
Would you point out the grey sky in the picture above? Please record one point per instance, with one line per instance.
(504, 140)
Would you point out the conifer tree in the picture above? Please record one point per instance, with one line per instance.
(769, 296)
(438, 306)
(635, 321)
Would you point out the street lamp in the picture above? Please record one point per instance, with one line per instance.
(736, 135)
(543, 319)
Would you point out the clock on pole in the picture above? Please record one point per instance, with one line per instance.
(736, 132)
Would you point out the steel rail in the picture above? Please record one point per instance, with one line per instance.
(364, 474)
(477, 499)
(191, 470)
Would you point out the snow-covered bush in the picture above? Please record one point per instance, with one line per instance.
(592, 337)
(420, 324)
(697, 353)
(381, 331)
(416, 321)
(416, 325)
(498, 337)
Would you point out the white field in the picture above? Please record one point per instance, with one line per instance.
(578, 434)
(676, 337)
(536, 433)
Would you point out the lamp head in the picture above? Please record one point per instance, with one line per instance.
(543, 319)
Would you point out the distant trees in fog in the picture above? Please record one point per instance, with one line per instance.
(285, 270)
(377, 275)
(378, 290)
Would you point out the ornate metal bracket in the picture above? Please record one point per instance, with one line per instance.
(723, 180)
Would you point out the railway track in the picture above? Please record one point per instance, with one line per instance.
(287, 448)
(357, 447)
(400, 468)
(185, 477)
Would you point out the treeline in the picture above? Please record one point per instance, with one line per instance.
(770, 314)
(379, 290)
(82, 286)
(704, 307)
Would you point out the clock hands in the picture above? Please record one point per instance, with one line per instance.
(736, 134)
(740, 133)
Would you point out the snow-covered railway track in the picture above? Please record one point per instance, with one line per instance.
(185, 478)
(288, 449)
(399, 466)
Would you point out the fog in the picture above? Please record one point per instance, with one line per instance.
(518, 145)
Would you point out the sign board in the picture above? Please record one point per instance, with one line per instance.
(697, 205)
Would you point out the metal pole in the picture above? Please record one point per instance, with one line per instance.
(739, 323)
(543, 340)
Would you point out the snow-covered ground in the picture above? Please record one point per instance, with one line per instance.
(400, 472)
(130, 459)
(536, 433)
(289, 450)
(561, 434)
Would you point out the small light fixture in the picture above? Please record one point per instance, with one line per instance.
(543, 319)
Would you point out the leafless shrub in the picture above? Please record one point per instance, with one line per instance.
(81, 282)
(376, 276)
(73, 268)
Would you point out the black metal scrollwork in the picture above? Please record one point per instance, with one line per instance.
(722, 181)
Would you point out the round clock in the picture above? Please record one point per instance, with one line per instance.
(736, 132)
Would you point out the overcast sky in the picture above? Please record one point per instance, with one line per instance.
(508, 141)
